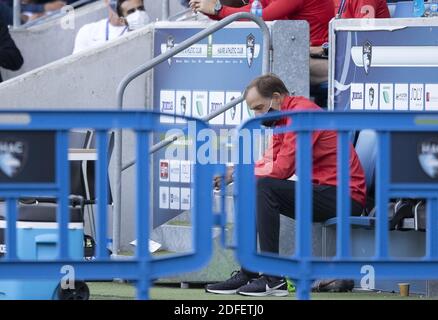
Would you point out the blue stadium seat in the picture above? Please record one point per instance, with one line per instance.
(366, 149)
(400, 213)
(404, 9)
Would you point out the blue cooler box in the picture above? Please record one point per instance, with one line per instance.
(37, 240)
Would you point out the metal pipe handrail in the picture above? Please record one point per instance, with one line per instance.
(160, 145)
(193, 40)
(266, 66)
(16, 13)
(165, 10)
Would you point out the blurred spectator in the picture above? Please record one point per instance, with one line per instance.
(123, 15)
(133, 13)
(30, 9)
(317, 13)
(10, 56)
(362, 9)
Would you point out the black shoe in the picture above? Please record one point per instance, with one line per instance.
(230, 286)
(333, 285)
(265, 286)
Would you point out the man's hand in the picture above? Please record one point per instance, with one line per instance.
(204, 6)
(228, 178)
(316, 51)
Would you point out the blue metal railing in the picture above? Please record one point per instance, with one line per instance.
(142, 268)
(304, 267)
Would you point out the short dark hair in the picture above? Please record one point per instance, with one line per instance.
(119, 7)
(267, 85)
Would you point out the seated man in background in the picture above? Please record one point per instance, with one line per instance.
(317, 13)
(123, 16)
(10, 56)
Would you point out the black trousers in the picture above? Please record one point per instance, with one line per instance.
(275, 197)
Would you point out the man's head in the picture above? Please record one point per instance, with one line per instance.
(133, 12)
(126, 7)
(264, 93)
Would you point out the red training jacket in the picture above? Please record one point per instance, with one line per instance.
(279, 159)
(363, 9)
(317, 13)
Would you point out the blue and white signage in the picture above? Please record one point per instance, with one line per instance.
(197, 82)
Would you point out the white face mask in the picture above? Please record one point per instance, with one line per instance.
(137, 19)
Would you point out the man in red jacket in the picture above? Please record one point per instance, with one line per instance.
(317, 13)
(362, 9)
(276, 185)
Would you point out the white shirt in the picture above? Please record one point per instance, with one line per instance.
(94, 34)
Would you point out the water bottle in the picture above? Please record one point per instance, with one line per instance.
(418, 8)
(210, 46)
(433, 8)
(256, 8)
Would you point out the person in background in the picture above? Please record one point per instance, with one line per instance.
(317, 13)
(10, 56)
(123, 16)
(30, 9)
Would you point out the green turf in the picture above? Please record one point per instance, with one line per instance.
(117, 291)
(111, 291)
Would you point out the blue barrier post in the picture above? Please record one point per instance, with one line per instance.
(303, 266)
(102, 193)
(141, 268)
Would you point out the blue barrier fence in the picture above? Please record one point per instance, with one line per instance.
(303, 266)
(142, 268)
